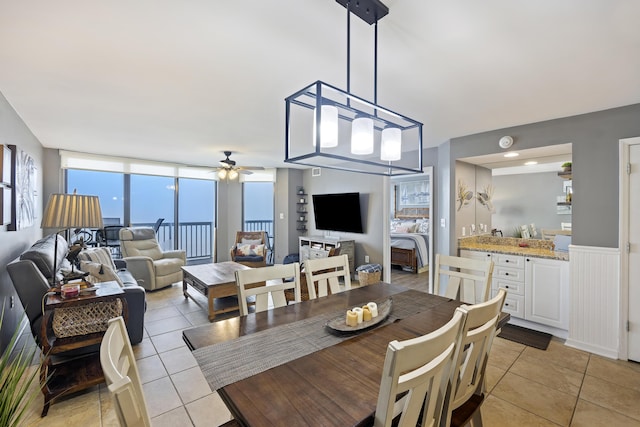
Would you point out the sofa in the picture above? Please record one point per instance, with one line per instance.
(31, 275)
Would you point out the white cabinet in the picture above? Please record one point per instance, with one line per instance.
(319, 247)
(547, 292)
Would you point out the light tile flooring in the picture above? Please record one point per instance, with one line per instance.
(527, 387)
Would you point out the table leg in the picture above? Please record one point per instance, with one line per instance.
(184, 289)
(212, 314)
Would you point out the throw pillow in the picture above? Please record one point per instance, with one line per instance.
(99, 272)
(250, 250)
(251, 241)
(100, 255)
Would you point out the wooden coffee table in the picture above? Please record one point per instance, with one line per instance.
(216, 280)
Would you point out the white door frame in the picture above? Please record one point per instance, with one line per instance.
(623, 230)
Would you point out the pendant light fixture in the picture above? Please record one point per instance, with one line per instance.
(353, 134)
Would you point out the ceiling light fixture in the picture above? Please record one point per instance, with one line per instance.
(530, 163)
(512, 154)
(353, 134)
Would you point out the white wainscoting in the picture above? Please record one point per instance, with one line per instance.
(594, 308)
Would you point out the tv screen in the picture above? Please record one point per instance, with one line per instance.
(337, 212)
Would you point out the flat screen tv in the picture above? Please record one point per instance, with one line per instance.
(337, 212)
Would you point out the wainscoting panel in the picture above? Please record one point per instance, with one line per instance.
(594, 312)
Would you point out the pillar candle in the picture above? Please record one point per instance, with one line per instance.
(374, 309)
(358, 312)
(366, 313)
(352, 318)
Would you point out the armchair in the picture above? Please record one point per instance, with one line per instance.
(152, 267)
(250, 248)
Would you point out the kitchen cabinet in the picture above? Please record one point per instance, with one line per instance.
(547, 292)
(537, 288)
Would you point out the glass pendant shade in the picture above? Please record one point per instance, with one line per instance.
(362, 136)
(222, 173)
(391, 145)
(328, 127)
(233, 174)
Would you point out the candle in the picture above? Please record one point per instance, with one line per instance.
(374, 309)
(70, 290)
(352, 318)
(358, 312)
(366, 313)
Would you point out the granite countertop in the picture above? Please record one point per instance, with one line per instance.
(509, 245)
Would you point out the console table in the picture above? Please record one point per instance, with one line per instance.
(319, 247)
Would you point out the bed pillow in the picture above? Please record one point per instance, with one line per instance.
(250, 250)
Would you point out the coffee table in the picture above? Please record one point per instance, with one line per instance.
(215, 280)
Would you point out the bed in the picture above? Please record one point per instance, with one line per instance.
(410, 245)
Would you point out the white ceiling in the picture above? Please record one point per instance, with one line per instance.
(184, 80)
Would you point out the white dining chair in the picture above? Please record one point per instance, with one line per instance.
(422, 368)
(265, 282)
(122, 377)
(466, 279)
(329, 274)
(469, 369)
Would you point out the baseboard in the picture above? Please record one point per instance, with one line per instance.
(600, 351)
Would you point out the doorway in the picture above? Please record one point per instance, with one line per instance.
(630, 248)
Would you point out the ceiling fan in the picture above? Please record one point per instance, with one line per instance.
(228, 168)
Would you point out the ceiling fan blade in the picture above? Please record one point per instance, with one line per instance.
(255, 168)
(244, 171)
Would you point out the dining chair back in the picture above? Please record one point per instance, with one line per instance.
(469, 369)
(466, 279)
(418, 369)
(327, 275)
(265, 282)
(122, 377)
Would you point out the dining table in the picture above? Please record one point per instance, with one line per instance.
(288, 367)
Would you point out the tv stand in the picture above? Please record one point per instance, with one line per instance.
(318, 247)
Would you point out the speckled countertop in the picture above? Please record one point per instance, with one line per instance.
(510, 245)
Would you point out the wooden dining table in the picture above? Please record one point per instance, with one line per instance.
(333, 386)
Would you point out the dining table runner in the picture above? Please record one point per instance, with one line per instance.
(234, 360)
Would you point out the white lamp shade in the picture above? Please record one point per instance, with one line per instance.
(362, 136)
(328, 126)
(222, 173)
(391, 144)
(65, 211)
(233, 174)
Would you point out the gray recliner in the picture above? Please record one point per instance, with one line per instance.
(152, 267)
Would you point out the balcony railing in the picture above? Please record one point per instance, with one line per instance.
(196, 238)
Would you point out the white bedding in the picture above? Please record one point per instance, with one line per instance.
(413, 240)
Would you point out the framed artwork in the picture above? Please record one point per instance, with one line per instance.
(412, 199)
(23, 194)
(6, 183)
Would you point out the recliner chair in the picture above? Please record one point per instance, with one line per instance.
(152, 267)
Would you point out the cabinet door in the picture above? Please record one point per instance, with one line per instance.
(547, 292)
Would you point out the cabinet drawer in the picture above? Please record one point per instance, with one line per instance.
(513, 274)
(513, 304)
(513, 288)
(512, 261)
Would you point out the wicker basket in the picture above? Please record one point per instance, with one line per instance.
(365, 278)
(85, 319)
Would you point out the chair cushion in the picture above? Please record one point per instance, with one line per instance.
(167, 266)
(250, 258)
(100, 255)
(250, 250)
(140, 241)
(100, 272)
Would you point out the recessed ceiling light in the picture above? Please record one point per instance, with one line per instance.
(512, 154)
(531, 163)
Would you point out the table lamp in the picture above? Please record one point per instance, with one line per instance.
(66, 211)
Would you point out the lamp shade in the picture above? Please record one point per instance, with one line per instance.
(328, 127)
(233, 174)
(362, 136)
(72, 211)
(391, 144)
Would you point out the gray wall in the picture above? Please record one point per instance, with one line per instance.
(525, 199)
(287, 182)
(371, 207)
(595, 167)
(13, 243)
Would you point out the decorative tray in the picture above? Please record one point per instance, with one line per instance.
(339, 324)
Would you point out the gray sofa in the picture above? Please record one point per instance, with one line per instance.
(32, 271)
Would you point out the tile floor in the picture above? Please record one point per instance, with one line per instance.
(527, 387)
